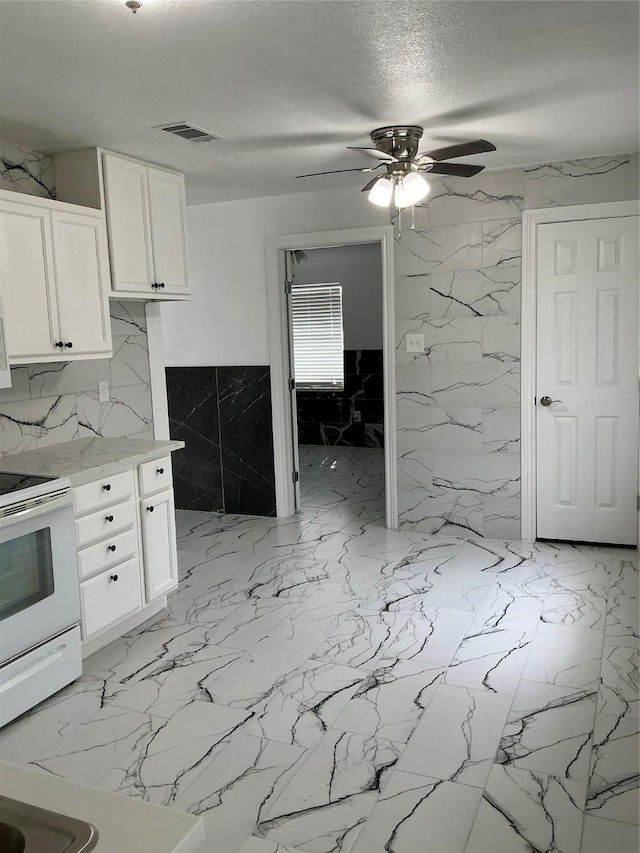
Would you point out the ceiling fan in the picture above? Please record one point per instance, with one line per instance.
(396, 148)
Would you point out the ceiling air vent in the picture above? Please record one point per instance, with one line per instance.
(188, 131)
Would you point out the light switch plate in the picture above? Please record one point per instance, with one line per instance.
(103, 391)
(414, 343)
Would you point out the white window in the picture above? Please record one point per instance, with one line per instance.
(316, 313)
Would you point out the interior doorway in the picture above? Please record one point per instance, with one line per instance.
(335, 322)
(286, 461)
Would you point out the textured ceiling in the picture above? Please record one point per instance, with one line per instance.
(290, 84)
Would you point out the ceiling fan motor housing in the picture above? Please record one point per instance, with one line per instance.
(400, 141)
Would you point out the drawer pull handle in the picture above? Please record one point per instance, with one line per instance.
(149, 509)
(107, 487)
(113, 577)
(111, 547)
(109, 518)
(60, 344)
(159, 470)
(69, 345)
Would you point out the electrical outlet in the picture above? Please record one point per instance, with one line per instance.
(414, 343)
(357, 417)
(103, 391)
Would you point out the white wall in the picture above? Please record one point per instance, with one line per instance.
(225, 323)
(359, 270)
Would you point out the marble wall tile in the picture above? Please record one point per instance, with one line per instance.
(502, 243)
(476, 385)
(36, 423)
(413, 383)
(442, 512)
(128, 318)
(412, 296)
(597, 179)
(431, 428)
(476, 293)
(128, 412)
(130, 362)
(502, 518)
(442, 247)
(66, 377)
(415, 469)
(501, 338)
(19, 386)
(488, 475)
(25, 171)
(491, 195)
(501, 429)
(445, 340)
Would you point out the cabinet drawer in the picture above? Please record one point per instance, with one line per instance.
(110, 551)
(110, 597)
(155, 475)
(105, 522)
(102, 492)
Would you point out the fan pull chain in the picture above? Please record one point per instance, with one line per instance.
(413, 217)
(399, 223)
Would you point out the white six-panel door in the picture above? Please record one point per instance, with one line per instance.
(587, 364)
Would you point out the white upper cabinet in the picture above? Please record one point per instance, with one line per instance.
(126, 194)
(145, 212)
(55, 273)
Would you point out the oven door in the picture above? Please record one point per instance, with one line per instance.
(39, 594)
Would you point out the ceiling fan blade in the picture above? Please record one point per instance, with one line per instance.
(371, 184)
(373, 152)
(464, 149)
(337, 171)
(463, 170)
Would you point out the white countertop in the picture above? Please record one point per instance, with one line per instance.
(86, 459)
(124, 824)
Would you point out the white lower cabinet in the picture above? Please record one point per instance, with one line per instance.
(157, 517)
(126, 539)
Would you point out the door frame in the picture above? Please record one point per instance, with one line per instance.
(275, 248)
(531, 221)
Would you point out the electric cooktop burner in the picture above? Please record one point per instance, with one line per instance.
(10, 483)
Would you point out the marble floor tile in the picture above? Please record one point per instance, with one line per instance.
(304, 703)
(565, 655)
(95, 746)
(573, 603)
(549, 729)
(251, 622)
(608, 836)
(457, 736)
(623, 611)
(619, 682)
(389, 702)
(128, 659)
(459, 590)
(335, 790)
(259, 845)
(522, 811)
(360, 637)
(614, 779)
(430, 635)
(416, 814)
(34, 733)
(491, 659)
(509, 605)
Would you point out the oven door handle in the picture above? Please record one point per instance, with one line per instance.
(36, 510)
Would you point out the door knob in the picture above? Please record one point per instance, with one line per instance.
(547, 401)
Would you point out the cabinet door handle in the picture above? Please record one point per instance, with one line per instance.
(155, 285)
(113, 577)
(68, 344)
(149, 509)
(108, 518)
(159, 470)
(107, 487)
(111, 547)
(60, 344)
(161, 284)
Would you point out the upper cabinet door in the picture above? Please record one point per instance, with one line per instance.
(82, 283)
(125, 184)
(166, 213)
(31, 312)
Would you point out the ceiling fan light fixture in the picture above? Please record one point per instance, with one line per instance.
(412, 189)
(382, 192)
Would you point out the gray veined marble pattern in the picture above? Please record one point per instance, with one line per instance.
(26, 171)
(411, 681)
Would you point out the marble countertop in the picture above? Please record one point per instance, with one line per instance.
(85, 459)
(123, 823)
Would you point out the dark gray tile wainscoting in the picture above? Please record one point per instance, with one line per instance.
(223, 414)
(328, 417)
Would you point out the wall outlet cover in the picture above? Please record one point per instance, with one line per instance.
(414, 343)
(357, 417)
(103, 391)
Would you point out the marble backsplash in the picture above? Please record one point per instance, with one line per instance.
(458, 280)
(50, 403)
(26, 171)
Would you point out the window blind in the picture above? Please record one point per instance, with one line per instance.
(316, 313)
